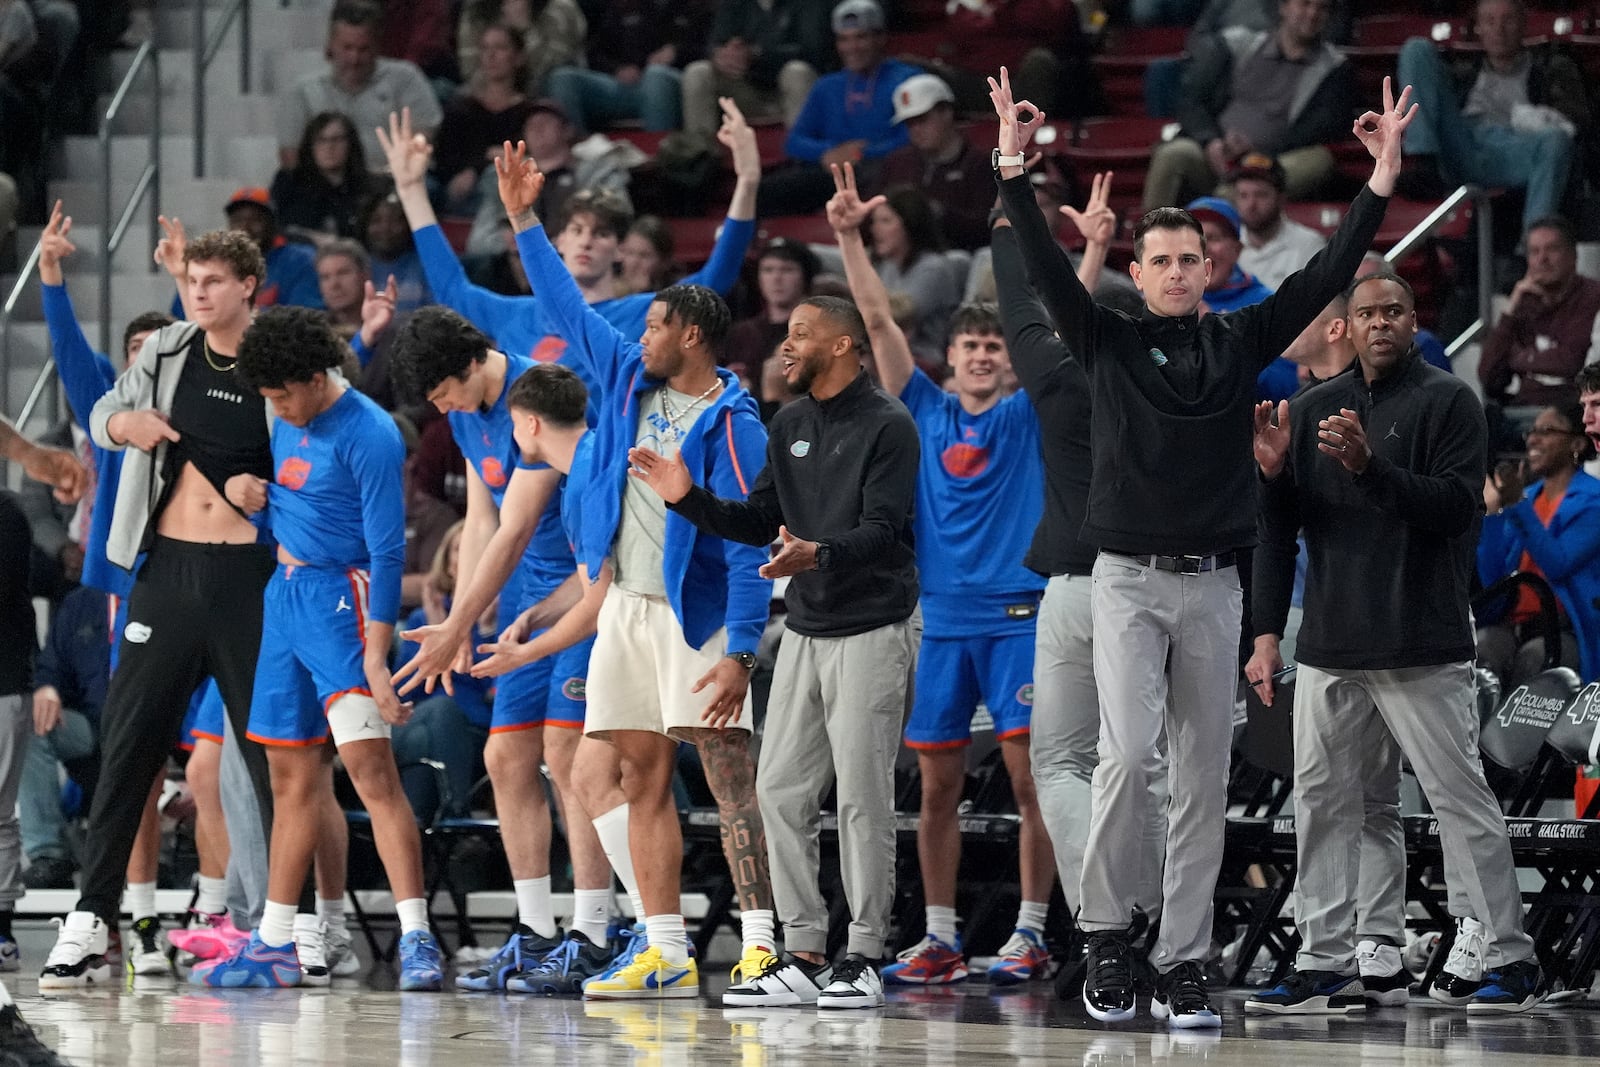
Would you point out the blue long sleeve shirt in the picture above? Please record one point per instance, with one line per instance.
(844, 106)
(336, 499)
(710, 582)
(86, 376)
(76, 658)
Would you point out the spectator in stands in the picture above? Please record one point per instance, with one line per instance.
(342, 270)
(784, 273)
(1219, 15)
(358, 83)
(69, 682)
(636, 59)
(321, 195)
(1550, 330)
(488, 111)
(645, 256)
(1229, 288)
(548, 133)
(428, 519)
(418, 31)
(1505, 116)
(1285, 93)
(848, 116)
(765, 54)
(908, 252)
(291, 267)
(1274, 246)
(1550, 528)
(553, 33)
(451, 728)
(393, 252)
(940, 161)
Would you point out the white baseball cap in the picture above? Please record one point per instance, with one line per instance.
(918, 94)
(857, 15)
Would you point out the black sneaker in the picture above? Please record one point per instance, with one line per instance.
(20, 1046)
(1108, 980)
(855, 985)
(1311, 993)
(1384, 979)
(1514, 988)
(1180, 998)
(48, 872)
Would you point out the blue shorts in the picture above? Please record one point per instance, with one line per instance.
(313, 647)
(548, 692)
(953, 674)
(203, 720)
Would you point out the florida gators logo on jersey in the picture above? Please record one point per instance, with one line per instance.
(965, 461)
(548, 350)
(494, 475)
(294, 471)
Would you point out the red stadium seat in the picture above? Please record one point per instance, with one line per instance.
(769, 141)
(809, 229)
(692, 240)
(456, 230)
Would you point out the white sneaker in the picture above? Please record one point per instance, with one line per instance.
(79, 956)
(1384, 978)
(310, 946)
(340, 949)
(855, 985)
(784, 982)
(1462, 975)
(147, 949)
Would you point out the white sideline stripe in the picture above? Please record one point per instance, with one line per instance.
(488, 905)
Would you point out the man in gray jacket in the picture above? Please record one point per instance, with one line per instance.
(195, 443)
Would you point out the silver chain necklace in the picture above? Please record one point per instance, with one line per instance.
(673, 419)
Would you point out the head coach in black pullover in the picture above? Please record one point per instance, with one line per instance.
(1171, 501)
(1391, 454)
(838, 489)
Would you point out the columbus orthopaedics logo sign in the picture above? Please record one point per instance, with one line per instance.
(1526, 708)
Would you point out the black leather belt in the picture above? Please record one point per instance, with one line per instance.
(1183, 564)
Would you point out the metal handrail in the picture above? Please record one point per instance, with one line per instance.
(1483, 225)
(149, 179)
(7, 313)
(205, 51)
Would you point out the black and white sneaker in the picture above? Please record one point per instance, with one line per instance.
(1310, 993)
(79, 956)
(147, 953)
(1384, 978)
(855, 985)
(781, 982)
(311, 946)
(20, 1046)
(1108, 977)
(1181, 999)
(1458, 982)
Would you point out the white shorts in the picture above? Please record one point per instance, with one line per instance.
(642, 671)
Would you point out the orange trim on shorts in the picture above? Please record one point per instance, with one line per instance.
(937, 746)
(738, 472)
(516, 728)
(201, 735)
(359, 690)
(561, 724)
(1021, 731)
(278, 742)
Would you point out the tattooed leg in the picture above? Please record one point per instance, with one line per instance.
(731, 774)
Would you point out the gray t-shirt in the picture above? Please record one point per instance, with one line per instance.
(665, 418)
(1493, 95)
(1264, 86)
(395, 84)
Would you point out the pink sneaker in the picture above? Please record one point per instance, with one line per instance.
(208, 937)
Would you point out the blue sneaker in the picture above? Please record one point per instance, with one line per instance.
(523, 951)
(563, 971)
(253, 965)
(1311, 993)
(635, 943)
(1513, 988)
(421, 968)
(10, 954)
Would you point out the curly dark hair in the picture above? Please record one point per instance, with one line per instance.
(696, 305)
(355, 163)
(144, 322)
(288, 344)
(435, 343)
(233, 247)
(552, 392)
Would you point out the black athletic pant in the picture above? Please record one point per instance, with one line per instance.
(195, 610)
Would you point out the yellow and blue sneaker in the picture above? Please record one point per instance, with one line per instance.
(647, 977)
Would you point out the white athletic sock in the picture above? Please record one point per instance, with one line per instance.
(413, 914)
(590, 908)
(1031, 916)
(612, 829)
(667, 935)
(759, 928)
(277, 924)
(942, 923)
(213, 896)
(331, 912)
(5, 997)
(140, 900)
(534, 909)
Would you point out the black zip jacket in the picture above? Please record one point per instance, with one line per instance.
(1390, 553)
(1172, 397)
(1059, 390)
(843, 471)
(19, 637)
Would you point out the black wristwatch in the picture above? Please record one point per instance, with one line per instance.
(824, 556)
(747, 660)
